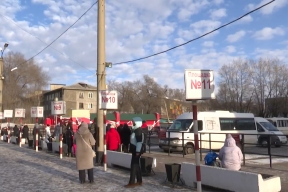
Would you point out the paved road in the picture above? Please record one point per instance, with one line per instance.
(23, 169)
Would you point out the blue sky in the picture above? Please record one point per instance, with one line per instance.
(136, 28)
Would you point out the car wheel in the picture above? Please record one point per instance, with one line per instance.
(189, 149)
(264, 142)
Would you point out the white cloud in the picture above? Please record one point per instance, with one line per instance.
(281, 54)
(204, 26)
(269, 8)
(217, 2)
(217, 14)
(230, 49)
(133, 29)
(268, 33)
(246, 19)
(236, 36)
(208, 44)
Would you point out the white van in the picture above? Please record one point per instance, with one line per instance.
(281, 123)
(266, 127)
(220, 122)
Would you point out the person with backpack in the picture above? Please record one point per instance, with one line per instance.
(136, 148)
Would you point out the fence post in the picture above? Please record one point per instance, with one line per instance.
(210, 142)
(149, 140)
(169, 143)
(183, 153)
(269, 151)
(8, 136)
(61, 145)
(243, 147)
(36, 140)
(20, 137)
(201, 158)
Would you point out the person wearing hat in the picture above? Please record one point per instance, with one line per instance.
(136, 148)
(113, 138)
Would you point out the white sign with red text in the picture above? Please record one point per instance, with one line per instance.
(37, 112)
(1, 115)
(20, 113)
(58, 107)
(108, 100)
(8, 113)
(199, 84)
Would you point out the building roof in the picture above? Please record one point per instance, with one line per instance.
(76, 86)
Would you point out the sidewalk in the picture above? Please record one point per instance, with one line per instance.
(23, 169)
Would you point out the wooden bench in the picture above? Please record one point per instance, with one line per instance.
(238, 181)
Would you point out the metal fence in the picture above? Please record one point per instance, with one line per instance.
(242, 143)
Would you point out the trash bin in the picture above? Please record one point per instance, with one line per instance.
(30, 143)
(146, 165)
(173, 172)
(49, 146)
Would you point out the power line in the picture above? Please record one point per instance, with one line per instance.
(222, 26)
(7, 18)
(63, 32)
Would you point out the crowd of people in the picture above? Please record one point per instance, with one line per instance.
(122, 138)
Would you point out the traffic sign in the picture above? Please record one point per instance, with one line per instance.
(8, 113)
(37, 112)
(58, 107)
(20, 113)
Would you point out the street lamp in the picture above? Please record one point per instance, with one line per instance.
(1, 74)
(2, 50)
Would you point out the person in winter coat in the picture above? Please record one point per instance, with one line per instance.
(25, 132)
(125, 137)
(113, 138)
(16, 131)
(57, 131)
(69, 136)
(136, 143)
(48, 133)
(36, 127)
(230, 154)
(145, 130)
(119, 128)
(84, 156)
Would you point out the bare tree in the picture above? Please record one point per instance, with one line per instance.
(235, 86)
(22, 86)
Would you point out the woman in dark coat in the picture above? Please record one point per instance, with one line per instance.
(125, 137)
(69, 138)
(25, 132)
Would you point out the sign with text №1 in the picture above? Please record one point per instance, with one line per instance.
(199, 84)
(108, 99)
(37, 112)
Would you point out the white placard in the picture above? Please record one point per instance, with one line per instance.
(37, 112)
(1, 115)
(108, 100)
(58, 107)
(8, 113)
(199, 84)
(20, 113)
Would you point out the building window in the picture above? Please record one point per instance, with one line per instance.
(90, 95)
(90, 105)
(81, 106)
(81, 95)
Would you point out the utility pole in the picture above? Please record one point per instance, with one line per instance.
(101, 77)
(1, 76)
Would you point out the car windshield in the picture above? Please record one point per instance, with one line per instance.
(181, 124)
(269, 126)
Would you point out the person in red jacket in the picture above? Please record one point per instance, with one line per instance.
(113, 138)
